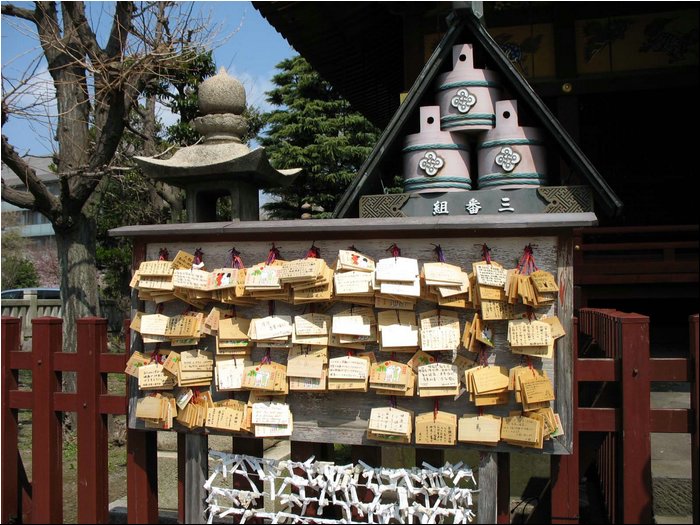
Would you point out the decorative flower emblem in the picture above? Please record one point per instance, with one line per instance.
(507, 159)
(431, 163)
(463, 101)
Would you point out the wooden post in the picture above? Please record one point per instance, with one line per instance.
(47, 431)
(432, 456)
(93, 465)
(694, 408)
(141, 446)
(486, 511)
(503, 494)
(142, 473)
(564, 470)
(196, 472)
(32, 311)
(11, 504)
(181, 451)
(636, 420)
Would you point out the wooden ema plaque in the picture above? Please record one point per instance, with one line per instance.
(330, 389)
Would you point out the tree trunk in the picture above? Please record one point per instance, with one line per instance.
(79, 289)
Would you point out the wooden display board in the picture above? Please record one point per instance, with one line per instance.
(342, 417)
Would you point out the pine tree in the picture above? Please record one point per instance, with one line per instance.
(315, 129)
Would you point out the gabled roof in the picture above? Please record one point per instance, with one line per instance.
(465, 27)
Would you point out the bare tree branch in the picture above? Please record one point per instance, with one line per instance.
(46, 203)
(21, 199)
(19, 12)
(46, 20)
(121, 28)
(139, 134)
(76, 11)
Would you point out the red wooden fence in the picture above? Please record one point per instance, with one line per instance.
(624, 339)
(624, 458)
(47, 402)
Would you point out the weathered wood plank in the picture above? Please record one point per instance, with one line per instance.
(196, 473)
(461, 225)
(487, 511)
(342, 418)
(565, 347)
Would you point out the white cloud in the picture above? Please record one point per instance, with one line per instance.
(255, 87)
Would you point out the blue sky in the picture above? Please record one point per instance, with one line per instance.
(249, 49)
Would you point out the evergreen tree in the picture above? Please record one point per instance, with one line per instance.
(315, 129)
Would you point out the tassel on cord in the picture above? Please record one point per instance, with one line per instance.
(313, 252)
(486, 253)
(163, 254)
(527, 262)
(395, 250)
(439, 253)
(267, 358)
(273, 254)
(236, 261)
(198, 262)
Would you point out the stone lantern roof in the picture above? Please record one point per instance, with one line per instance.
(221, 163)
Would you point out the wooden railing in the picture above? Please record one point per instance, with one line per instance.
(41, 501)
(624, 457)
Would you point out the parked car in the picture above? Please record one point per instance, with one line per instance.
(41, 293)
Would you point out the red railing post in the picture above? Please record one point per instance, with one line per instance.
(695, 408)
(142, 475)
(564, 470)
(11, 341)
(93, 488)
(47, 435)
(635, 478)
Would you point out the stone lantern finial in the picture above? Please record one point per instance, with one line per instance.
(222, 103)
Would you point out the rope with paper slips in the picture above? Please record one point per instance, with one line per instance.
(337, 485)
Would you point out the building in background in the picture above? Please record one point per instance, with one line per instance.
(29, 224)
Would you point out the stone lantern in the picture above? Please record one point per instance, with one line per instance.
(221, 164)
